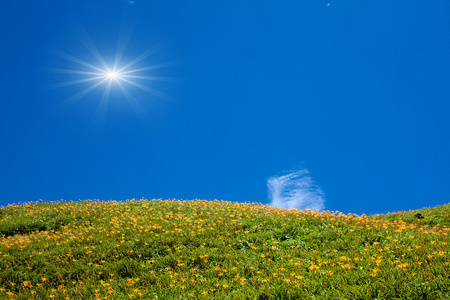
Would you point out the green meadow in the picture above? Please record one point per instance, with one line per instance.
(170, 249)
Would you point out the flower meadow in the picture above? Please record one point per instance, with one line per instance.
(197, 249)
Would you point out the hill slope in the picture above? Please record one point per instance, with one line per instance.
(213, 249)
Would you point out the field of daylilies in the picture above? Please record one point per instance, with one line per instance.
(170, 249)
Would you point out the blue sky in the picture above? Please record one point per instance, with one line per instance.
(337, 105)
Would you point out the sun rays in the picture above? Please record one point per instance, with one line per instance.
(97, 77)
(98, 73)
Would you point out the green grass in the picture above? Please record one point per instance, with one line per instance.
(222, 250)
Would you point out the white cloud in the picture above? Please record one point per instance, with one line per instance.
(295, 189)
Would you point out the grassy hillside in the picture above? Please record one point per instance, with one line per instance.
(212, 249)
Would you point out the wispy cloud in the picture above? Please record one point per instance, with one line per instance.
(295, 189)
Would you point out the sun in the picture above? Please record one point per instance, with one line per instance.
(111, 75)
(97, 73)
